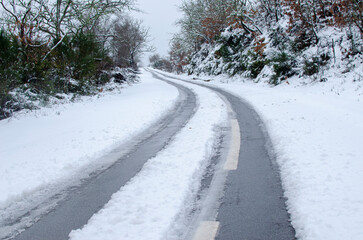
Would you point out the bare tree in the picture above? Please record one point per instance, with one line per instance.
(90, 12)
(60, 18)
(21, 19)
(129, 41)
(154, 58)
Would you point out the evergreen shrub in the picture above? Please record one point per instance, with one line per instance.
(283, 65)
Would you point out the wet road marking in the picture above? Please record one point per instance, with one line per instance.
(207, 230)
(233, 153)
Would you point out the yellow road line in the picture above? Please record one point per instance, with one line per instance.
(233, 153)
(207, 231)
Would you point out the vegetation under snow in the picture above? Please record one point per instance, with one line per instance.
(270, 40)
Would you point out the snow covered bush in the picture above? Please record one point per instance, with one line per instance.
(287, 37)
(283, 64)
(43, 57)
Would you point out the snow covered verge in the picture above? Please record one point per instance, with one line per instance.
(26, 97)
(43, 150)
(149, 205)
(317, 134)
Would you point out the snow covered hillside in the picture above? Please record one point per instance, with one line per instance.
(42, 151)
(317, 135)
(270, 39)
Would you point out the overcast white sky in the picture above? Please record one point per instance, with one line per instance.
(160, 17)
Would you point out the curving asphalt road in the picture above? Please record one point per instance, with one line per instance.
(82, 202)
(253, 204)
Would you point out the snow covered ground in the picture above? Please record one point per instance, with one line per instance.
(316, 131)
(317, 135)
(41, 151)
(150, 203)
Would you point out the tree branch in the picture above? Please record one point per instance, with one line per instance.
(54, 47)
(2, 4)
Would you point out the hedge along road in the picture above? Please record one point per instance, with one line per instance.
(82, 202)
(253, 204)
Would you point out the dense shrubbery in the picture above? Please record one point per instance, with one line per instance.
(42, 56)
(77, 65)
(279, 38)
(283, 67)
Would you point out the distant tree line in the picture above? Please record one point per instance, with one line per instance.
(242, 36)
(49, 47)
(161, 63)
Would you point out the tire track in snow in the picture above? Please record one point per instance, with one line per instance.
(83, 201)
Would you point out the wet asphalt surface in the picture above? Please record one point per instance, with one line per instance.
(93, 194)
(253, 206)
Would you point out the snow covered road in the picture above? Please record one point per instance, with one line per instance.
(149, 206)
(46, 151)
(96, 191)
(317, 133)
(155, 204)
(252, 206)
(315, 139)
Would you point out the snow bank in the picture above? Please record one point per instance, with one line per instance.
(48, 146)
(147, 206)
(317, 134)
